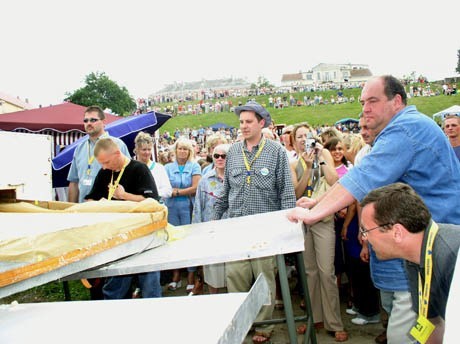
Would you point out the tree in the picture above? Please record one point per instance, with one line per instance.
(262, 82)
(458, 62)
(102, 91)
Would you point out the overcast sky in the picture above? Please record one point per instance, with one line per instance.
(49, 46)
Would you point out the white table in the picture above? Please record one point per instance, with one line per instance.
(206, 319)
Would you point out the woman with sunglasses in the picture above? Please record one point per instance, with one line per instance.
(208, 191)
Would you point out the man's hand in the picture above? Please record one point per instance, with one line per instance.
(119, 192)
(306, 202)
(297, 214)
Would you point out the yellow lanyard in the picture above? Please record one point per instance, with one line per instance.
(249, 165)
(309, 187)
(113, 186)
(424, 291)
(90, 159)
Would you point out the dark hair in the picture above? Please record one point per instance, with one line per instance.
(398, 203)
(332, 143)
(97, 109)
(392, 87)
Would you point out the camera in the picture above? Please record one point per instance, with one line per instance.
(310, 144)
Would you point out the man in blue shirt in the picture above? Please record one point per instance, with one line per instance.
(409, 147)
(85, 167)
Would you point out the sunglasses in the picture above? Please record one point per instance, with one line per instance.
(217, 156)
(92, 120)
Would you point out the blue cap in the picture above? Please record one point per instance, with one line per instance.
(257, 108)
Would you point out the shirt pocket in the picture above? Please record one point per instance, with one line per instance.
(262, 180)
(236, 177)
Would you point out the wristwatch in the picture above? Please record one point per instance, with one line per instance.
(322, 163)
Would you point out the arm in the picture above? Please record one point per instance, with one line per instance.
(73, 192)
(121, 194)
(328, 168)
(335, 199)
(351, 211)
(301, 185)
(190, 191)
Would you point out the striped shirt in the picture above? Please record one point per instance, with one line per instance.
(270, 187)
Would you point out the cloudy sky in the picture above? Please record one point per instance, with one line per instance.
(47, 47)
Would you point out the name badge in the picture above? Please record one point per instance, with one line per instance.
(264, 171)
(87, 182)
(422, 329)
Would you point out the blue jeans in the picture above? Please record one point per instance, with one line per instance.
(117, 287)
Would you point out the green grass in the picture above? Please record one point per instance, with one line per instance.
(315, 115)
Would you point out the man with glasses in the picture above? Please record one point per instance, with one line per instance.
(84, 168)
(409, 147)
(407, 231)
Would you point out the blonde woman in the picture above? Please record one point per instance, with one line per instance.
(184, 175)
(143, 145)
(312, 174)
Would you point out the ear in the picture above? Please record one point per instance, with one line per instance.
(399, 232)
(262, 123)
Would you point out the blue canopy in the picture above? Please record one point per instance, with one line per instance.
(125, 128)
(347, 121)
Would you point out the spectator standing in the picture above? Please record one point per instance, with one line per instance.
(386, 112)
(209, 190)
(257, 180)
(452, 130)
(184, 175)
(143, 145)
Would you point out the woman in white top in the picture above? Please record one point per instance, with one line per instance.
(143, 145)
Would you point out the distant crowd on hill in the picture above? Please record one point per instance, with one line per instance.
(215, 101)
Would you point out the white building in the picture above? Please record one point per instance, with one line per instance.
(324, 73)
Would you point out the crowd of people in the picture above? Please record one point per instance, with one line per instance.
(358, 194)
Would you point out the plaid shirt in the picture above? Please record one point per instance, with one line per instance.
(270, 187)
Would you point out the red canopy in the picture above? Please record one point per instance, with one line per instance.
(62, 118)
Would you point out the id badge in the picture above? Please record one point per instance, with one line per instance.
(422, 329)
(87, 182)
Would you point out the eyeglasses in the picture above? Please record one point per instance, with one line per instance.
(364, 231)
(92, 120)
(217, 156)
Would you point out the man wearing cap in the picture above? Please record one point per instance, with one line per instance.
(257, 180)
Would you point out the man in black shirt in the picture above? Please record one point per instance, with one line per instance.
(124, 179)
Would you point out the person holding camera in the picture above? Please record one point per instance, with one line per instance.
(312, 174)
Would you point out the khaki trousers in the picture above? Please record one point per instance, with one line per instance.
(240, 276)
(322, 282)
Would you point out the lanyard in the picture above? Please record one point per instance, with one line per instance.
(152, 166)
(113, 186)
(424, 291)
(309, 184)
(90, 159)
(249, 164)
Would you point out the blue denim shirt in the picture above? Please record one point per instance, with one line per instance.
(181, 180)
(78, 172)
(412, 149)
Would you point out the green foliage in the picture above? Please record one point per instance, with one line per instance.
(102, 91)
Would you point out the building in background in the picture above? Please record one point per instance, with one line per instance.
(11, 104)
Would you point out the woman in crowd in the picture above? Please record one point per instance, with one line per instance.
(143, 145)
(312, 174)
(209, 189)
(363, 297)
(184, 175)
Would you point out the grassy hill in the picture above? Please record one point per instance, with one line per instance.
(315, 115)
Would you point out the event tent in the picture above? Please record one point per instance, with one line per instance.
(125, 128)
(217, 126)
(347, 121)
(454, 110)
(64, 122)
